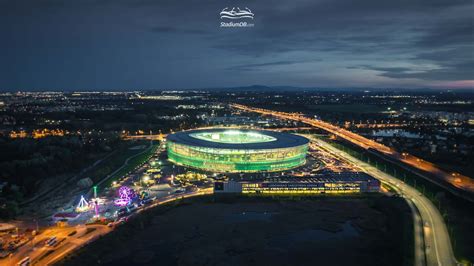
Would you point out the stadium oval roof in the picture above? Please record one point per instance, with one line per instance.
(271, 140)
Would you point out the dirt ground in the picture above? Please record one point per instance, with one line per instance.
(256, 231)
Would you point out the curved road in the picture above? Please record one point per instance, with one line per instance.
(40, 254)
(68, 242)
(150, 146)
(435, 241)
(460, 182)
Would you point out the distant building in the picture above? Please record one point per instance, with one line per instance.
(244, 120)
(346, 182)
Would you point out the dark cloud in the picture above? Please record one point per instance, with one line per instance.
(445, 74)
(151, 43)
(384, 69)
(449, 32)
(259, 66)
(168, 29)
(448, 72)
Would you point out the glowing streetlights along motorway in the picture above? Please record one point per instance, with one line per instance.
(458, 181)
(438, 247)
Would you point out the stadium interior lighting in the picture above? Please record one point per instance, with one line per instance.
(223, 150)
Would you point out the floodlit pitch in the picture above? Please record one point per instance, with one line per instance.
(230, 150)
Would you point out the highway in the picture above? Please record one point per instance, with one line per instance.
(431, 235)
(456, 180)
(40, 254)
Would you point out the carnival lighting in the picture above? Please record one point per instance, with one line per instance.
(96, 208)
(83, 205)
(125, 194)
(143, 195)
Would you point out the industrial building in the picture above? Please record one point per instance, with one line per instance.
(346, 182)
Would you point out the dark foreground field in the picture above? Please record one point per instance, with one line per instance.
(261, 231)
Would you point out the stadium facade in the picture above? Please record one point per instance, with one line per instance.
(237, 150)
(346, 182)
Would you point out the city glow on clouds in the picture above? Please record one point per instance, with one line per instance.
(456, 84)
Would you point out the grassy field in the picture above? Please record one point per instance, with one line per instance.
(113, 162)
(139, 159)
(241, 230)
(457, 213)
(96, 172)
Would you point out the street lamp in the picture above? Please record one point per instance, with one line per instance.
(145, 179)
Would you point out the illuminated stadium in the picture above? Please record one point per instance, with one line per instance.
(232, 150)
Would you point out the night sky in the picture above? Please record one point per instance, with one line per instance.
(152, 44)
